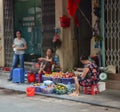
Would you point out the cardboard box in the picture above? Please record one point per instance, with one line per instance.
(101, 86)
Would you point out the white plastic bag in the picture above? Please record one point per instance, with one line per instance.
(111, 69)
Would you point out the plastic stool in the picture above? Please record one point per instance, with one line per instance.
(18, 75)
(93, 89)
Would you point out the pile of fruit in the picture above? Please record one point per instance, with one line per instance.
(54, 74)
(60, 89)
(68, 75)
(60, 75)
(57, 74)
(36, 84)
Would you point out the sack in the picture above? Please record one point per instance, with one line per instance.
(110, 69)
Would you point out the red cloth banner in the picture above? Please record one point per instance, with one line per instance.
(73, 6)
(77, 21)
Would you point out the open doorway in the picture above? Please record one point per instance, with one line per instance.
(36, 20)
(28, 19)
(84, 31)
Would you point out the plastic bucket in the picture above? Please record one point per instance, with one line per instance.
(31, 77)
(30, 91)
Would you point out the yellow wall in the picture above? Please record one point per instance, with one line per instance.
(1, 34)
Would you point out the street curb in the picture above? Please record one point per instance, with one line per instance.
(80, 101)
(59, 97)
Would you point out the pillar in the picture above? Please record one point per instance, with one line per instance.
(94, 50)
(1, 34)
(68, 50)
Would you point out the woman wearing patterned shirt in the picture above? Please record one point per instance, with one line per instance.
(89, 75)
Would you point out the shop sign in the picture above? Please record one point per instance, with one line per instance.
(28, 21)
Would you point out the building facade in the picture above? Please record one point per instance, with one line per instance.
(35, 18)
(39, 19)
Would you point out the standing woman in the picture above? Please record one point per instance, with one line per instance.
(19, 46)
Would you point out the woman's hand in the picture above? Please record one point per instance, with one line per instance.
(85, 71)
(41, 59)
(17, 49)
(22, 48)
(13, 46)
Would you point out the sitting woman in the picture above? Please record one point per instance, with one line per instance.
(89, 75)
(45, 63)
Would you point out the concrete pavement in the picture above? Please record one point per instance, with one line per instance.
(108, 98)
(11, 101)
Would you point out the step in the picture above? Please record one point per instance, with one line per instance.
(113, 84)
(114, 77)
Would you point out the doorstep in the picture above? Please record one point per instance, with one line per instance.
(108, 98)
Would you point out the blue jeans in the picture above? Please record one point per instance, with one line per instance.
(17, 58)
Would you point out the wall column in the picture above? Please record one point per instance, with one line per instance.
(1, 34)
(68, 50)
(94, 18)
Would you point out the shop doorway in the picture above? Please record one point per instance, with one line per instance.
(48, 24)
(84, 31)
(112, 33)
(28, 19)
(36, 20)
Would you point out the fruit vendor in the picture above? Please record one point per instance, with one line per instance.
(46, 63)
(89, 75)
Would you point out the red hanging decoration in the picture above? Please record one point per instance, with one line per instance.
(64, 21)
(77, 21)
(73, 6)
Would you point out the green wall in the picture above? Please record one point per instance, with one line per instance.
(27, 18)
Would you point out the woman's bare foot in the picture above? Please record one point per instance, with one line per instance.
(74, 94)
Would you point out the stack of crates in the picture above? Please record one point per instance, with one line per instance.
(18, 75)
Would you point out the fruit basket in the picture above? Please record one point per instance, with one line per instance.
(60, 89)
(67, 77)
(44, 78)
(39, 88)
(67, 80)
(48, 82)
(56, 80)
(47, 90)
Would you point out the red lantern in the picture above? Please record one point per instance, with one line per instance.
(64, 21)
